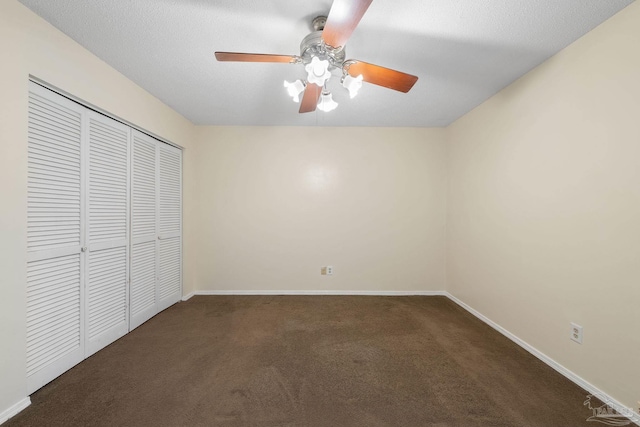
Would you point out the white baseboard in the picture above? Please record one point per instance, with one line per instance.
(619, 407)
(14, 409)
(189, 295)
(321, 292)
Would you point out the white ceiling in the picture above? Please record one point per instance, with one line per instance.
(463, 51)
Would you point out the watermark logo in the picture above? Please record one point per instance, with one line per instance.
(605, 413)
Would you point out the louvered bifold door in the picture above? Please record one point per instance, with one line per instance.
(144, 229)
(170, 226)
(55, 262)
(107, 219)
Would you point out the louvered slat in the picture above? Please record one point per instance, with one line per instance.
(169, 268)
(107, 181)
(54, 144)
(170, 190)
(144, 187)
(143, 277)
(107, 292)
(53, 310)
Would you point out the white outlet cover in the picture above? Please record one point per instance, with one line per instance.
(576, 333)
(329, 270)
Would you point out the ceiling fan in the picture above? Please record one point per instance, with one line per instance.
(322, 52)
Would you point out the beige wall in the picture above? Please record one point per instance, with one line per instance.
(544, 207)
(30, 46)
(276, 204)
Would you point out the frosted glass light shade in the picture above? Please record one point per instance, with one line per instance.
(326, 102)
(318, 71)
(352, 84)
(294, 89)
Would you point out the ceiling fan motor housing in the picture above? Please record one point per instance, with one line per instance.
(318, 23)
(313, 46)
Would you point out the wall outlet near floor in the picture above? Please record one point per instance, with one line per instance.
(326, 271)
(576, 333)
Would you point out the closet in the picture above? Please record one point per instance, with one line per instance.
(104, 234)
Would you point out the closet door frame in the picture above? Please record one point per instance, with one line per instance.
(41, 375)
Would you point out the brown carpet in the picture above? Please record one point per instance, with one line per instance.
(310, 361)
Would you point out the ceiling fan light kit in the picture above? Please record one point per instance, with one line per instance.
(295, 89)
(318, 71)
(326, 102)
(352, 84)
(322, 52)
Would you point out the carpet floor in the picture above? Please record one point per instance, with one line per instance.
(310, 361)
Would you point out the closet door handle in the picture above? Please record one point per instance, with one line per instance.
(83, 249)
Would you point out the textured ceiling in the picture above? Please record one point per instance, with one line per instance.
(463, 51)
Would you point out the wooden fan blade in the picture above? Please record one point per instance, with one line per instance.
(343, 18)
(254, 57)
(310, 99)
(385, 77)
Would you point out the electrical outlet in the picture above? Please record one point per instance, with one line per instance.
(326, 271)
(576, 333)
